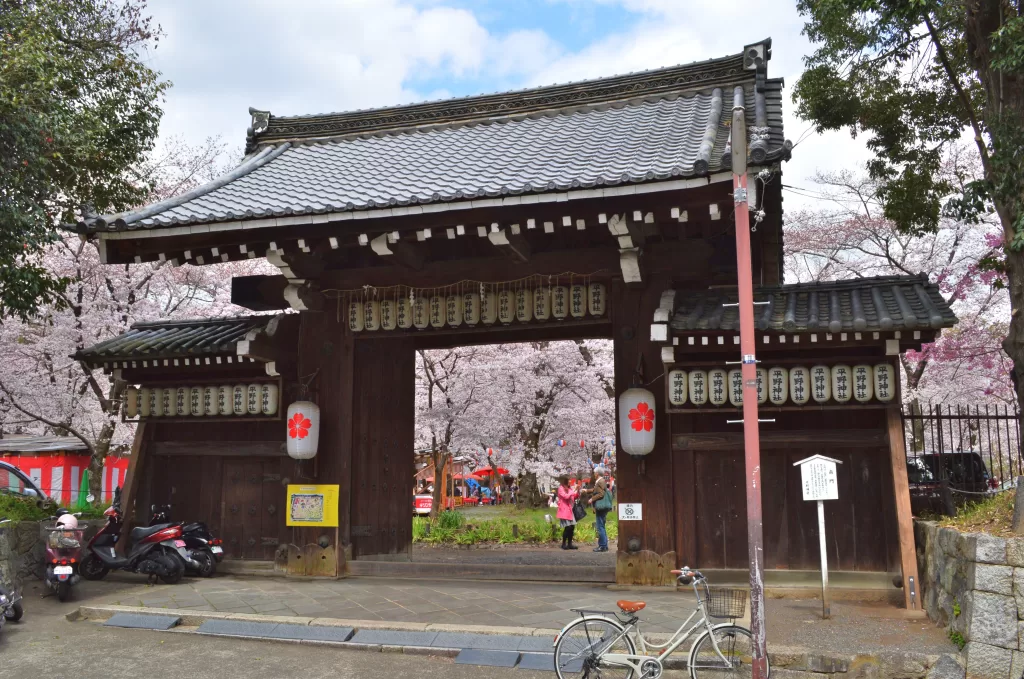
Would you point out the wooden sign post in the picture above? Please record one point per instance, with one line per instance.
(819, 481)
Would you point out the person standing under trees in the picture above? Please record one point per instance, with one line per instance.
(601, 501)
(566, 497)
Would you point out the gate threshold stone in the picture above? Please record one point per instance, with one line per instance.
(274, 630)
(475, 656)
(142, 621)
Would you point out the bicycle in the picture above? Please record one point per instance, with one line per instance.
(604, 643)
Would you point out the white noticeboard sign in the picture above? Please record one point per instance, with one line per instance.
(630, 511)
(818, 477)
(819, 480)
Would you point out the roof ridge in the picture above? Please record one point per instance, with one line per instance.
(213, 320)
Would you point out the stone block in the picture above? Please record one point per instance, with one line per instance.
(1015, 552)
(987, 662)
(823, 663)
(903, 665)
(961, 623)
(782, 657)
(862, 667)
(949, 541)
(1020, 634)
(794, 674)
(946, 667)
(947, 580)
(990, 578)
(984, 548)
(1017, 665)
(1018, 590)
(993, 619)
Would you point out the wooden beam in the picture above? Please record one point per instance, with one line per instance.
(136, 469)
(512, 243)
(296, 265)
(277, 341)
(862, 438)
(259, 293)
(904, 518)
(218, 448)
(404, 252)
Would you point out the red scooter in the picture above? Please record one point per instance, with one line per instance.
(152, 550)
(63, 552)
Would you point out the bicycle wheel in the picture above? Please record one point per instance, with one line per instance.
(732, 659)
(580, 648)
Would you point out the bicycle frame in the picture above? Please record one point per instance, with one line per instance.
(632, 629)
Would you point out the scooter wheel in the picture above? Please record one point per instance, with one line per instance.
(175, 568)
(92, 568)
(63, 591)
(14, 612)
(207, 564)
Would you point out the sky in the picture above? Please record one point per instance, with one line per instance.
(304, 56)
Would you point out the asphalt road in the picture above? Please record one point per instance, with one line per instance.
(47, 645)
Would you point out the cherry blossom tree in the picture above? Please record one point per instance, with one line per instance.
(848, 237)
(42, 388)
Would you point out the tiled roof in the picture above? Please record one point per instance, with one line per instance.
(175, 339)
(40, 444)
(657, 125)
(880, 303)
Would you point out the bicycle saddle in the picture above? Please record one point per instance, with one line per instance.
(631, 606)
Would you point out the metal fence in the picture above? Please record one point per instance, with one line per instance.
(945, 442)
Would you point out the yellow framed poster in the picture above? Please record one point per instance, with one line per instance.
(312, 506)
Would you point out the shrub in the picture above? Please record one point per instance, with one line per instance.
(451, 519)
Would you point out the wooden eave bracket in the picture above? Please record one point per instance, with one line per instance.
(513, 243)
(405, 252)
(662, 317)
(265, 344)
(300, 293)
(630, 238)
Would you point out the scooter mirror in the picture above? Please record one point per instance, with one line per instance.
(90, 498)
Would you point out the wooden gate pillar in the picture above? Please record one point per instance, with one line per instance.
(904, 519)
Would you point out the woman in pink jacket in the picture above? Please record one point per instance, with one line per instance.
(566, 497)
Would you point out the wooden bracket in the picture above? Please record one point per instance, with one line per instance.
(513, 243)
(404, 252)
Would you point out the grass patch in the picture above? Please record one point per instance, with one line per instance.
(479, 525)
(992, 516)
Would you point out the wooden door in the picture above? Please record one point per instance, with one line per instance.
(382, 459)
(253, 504)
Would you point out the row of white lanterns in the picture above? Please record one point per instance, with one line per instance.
(202, 401)
(778, 385)
(488, 306)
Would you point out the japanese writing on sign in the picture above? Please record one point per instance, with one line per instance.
(818, 479)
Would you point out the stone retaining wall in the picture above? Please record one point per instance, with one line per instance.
(973, 584)
(22, 551)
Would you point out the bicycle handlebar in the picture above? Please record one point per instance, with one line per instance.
(687, 575)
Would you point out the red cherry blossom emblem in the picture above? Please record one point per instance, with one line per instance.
(298, 426)
(642, 417)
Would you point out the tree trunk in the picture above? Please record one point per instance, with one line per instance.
(438, 459)
(917, 425)
(100, 450)
(530, 494)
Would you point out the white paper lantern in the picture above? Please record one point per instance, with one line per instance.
(371, 315)
(578, 300)
(718, 386)
(253, 399)
(677, 387)
(559, 301)
(168, 402)
(762, 386)
(736, 387)
(698, 382)
(506, 307)
(303, 430)
(387, 314)
(821, 383)
(453, 310)
(156, 402)
(842, 383)
(268, 399)
(597, 299)
(885, 382)
(145, 402)
(355, 316)
(195, 401)
(636, 421)
(131, 402)
(799, 385)
(238, 399)
(524, 306)
(778, 385)
(420, 312)
(488, 307)
(542, 304)
(210, 401)
(403, 313)
(471, 308)
(181, 401)
(225, 405)
(863, 383)
(437, 311)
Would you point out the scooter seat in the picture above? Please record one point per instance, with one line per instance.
(145, 531)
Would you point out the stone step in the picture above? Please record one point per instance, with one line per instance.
(529, 573)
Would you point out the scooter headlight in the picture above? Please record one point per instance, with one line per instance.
(3, 598)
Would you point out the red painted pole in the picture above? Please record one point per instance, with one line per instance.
(751, 435)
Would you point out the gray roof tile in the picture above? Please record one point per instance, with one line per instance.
(637, 128)
(863, 304)
(175, 339)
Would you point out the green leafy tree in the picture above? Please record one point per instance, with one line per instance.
(916, 77)
(78, 109)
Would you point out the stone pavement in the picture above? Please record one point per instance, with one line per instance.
(853, 628)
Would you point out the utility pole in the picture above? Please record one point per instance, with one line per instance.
(751, 435)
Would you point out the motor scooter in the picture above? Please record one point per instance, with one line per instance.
(10, 601)
(157, 551)
(63, 553)
(205, 550)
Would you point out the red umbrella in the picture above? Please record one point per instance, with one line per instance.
(486, 471)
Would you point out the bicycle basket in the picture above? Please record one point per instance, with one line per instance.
(725, 602)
